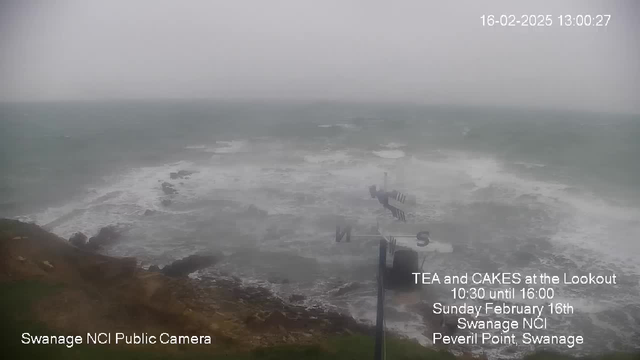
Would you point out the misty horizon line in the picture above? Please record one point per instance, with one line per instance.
(319, 101)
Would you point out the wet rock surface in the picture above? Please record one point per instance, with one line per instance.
(106, 236)
(78, 240)
(168, 189)
(190, 264)
(182, 174)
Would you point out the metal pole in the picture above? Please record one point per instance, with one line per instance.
(382, 263)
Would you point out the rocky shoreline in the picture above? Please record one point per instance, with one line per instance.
(215, 305)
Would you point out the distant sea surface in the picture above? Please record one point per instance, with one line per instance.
(513, 190)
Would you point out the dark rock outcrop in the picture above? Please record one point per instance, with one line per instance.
(168, 189)
(78, 240)
(106, 236)
(180, 174)
(192, 263)
(149, 212)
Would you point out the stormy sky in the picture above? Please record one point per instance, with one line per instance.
(371, 50)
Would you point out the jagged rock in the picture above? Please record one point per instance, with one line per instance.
(78, 240)
(180, 174)
(154, 268)
(166, 202)
(168, 189)
(297, 298)
(149, 212)
(106, 236)
(186, 266)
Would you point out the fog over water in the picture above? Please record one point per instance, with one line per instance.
(418, 51)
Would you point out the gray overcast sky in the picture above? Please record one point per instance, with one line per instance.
(418, 51)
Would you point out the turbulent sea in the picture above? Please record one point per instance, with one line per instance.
(512, 190)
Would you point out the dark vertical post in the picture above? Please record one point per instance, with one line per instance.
(382, 264)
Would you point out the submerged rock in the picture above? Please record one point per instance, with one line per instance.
(192, 263)
(168, 189)
(180, 174)
(78, 240)
(149, 212)
(255, 211)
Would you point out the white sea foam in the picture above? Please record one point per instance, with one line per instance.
(344, 126)
(328, 157)
(125, 196)
(389, 154)
(230, 147)
(196, 147)
(394, 145)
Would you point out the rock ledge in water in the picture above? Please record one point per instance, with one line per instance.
(168, 189)
(180, 174)
(192, 263)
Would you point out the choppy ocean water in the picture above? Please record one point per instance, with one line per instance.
(513, 191)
